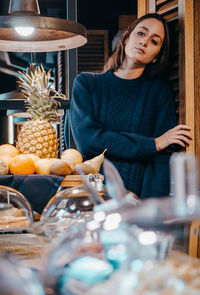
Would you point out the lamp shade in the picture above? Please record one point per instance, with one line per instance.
(48, 33)
(23, 6)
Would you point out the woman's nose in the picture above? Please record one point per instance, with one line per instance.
(143, 42)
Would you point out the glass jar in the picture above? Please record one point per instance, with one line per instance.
(72, 206)
(17, 214)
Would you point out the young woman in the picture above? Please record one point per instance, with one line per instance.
(131, 112)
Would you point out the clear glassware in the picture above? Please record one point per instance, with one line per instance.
(3, 207)
(71, 206)
(184, 185)
(151, 278)
(17, 279)
(79, 243)
(91, 254)
(77, 205)
(18, 215)
(126, 248)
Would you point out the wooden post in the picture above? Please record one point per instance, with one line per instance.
(143, 7)
(192, 53)
(194, 248)
(194, 238)
(189, 70)
(197, 79)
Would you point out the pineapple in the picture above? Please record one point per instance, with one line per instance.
(37, 135)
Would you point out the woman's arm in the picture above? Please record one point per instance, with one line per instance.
(90, 137)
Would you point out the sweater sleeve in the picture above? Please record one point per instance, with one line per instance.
(156, 181)
(91, 138)
(166, 113)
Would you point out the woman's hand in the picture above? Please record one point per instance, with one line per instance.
(179, 135)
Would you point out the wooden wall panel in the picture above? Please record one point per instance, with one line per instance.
(169, 11)
(92, 56)
(143, 7)
(197, 78)
(181, 22)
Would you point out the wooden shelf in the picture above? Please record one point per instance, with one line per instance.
(14, 101)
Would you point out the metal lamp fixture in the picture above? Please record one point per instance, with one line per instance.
(24, 30)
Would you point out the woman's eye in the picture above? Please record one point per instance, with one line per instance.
(154, 42)
(140, 33)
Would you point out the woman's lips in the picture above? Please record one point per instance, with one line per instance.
(140, 50)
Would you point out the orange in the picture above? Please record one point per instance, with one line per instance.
(8, 150)
(34, 157)
(22, 164)
(72, 155)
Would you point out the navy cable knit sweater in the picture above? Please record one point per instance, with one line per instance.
(125, 116)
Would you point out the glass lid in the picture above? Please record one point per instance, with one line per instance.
(15, 211)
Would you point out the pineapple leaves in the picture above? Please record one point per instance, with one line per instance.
(40, 97)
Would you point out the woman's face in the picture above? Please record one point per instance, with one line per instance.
(145, 42)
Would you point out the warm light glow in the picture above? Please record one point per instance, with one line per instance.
(86, 203)
(147, 238)
(24, 31)
(112, 221)
(93, 225)
(99, 216)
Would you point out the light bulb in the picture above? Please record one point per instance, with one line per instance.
(24, 31)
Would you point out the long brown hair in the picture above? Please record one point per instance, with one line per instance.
(152, 69)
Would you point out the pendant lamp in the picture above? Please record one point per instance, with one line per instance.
(24, 30)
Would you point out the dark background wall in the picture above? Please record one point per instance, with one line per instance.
(104, 14)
